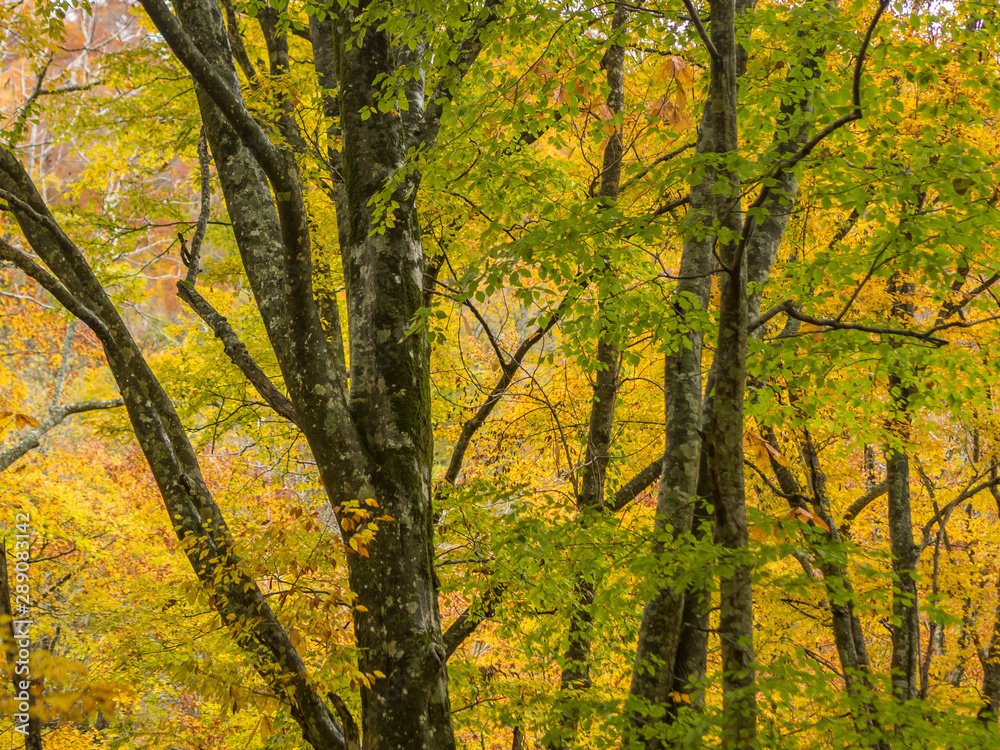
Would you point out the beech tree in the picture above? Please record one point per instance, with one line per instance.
(544, 155)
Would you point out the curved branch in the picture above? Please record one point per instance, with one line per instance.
(229, 102)
(945, 511)
(636, 485)
(788, 307)
(56, 415)
(705, 38)
(466, 54)
(855, 508)
(54, 287)
(470, 619)
(510, 369)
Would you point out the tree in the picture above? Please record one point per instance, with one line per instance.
(345, 142)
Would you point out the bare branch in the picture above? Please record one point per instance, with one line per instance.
(63, 371)
(855, 508)
(658, 160)
(468, 50)
(236, 42)
(636, 485)
(470, 619)
(942, 515)
(237, 352)
(788, 307)
(32, 439)
(489, 334)
(506, 378)
(694, 18)
(54, 287)
(204, 162)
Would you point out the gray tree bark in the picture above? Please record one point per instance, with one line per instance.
(370, 434)
(575, 675)
(662, 628)
(905, 629)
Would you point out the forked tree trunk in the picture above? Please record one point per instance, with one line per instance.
(663, 627)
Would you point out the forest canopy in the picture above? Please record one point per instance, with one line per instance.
(398, 375)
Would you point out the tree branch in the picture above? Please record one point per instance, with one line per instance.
(788, 307)
(237, 352)
(194, 258)
(54, 287)
(228, 101)
(694, 18)
(468, 50)
(808, 147)
(470, 619)
(855, 508)
(33, 438)
(509, 370)
(636, 485)
(945, 511)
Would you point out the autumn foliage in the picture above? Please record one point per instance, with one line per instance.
(851, 236)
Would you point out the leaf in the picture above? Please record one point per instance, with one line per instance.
(777, 455)
(805, 516)
(266, 727)
(674, 68)
(755, 444)
(23, 419)
(667, 110)
(560, 96)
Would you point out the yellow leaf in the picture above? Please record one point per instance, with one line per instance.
(667, 110)
(266, 727)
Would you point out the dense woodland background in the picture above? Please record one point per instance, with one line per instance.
(700, 302)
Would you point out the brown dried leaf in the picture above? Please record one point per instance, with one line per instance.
(674, 68)
(559, 96)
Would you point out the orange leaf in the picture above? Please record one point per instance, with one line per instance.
(805, 516)
(559, 96)
(674, 69)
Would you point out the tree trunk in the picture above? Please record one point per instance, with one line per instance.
(661, 632)
(905, 630)
(575, 675)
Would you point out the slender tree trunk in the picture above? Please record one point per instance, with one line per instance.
(662, 622)
(724, 441)
(849, 638)
(905, 630)
(991, 663)
(575, 675)
(663, 627)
